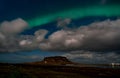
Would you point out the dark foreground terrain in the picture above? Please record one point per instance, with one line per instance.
(55, 71)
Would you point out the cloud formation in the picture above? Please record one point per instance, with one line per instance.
(93, 57)
(98, 36)
(62, 23)
(94, 43)
(13, 27)
(9, 39)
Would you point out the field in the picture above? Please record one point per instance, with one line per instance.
(55, 71)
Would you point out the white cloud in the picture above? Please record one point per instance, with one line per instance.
(40, 34)
(9, 40)
(82, 43)
(25, 42)
(98, 36)
(13, 27)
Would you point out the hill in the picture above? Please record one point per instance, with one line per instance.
(55, 60)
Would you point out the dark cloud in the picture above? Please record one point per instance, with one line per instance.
(93, 57)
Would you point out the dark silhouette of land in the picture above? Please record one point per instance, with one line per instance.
(56, 67)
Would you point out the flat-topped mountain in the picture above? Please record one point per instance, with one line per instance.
(54, 60)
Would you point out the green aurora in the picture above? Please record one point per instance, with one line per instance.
(107, 10)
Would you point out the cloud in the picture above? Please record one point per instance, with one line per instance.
(98, 36)
(40, 35)
(12, 41)
(62, 23)
(94, 43)
(2, 36)
(9, 38)
(29, 42)
(13, 27)
(93, 57)
(79, 54)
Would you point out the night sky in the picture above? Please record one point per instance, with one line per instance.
(85, 31)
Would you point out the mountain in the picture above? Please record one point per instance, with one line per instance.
(55, 60)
